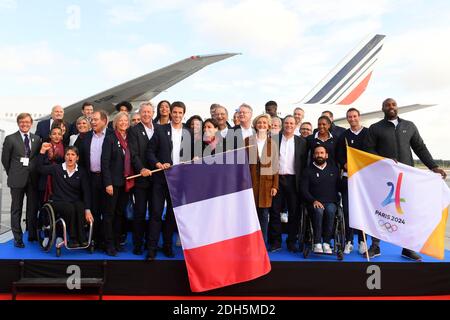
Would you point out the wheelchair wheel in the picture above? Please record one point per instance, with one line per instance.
(46, 231)
(339, 235)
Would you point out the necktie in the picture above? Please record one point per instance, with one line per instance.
(26, 142)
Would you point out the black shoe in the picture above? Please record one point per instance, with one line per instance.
(374, 251)
(275, 247)
(111, 252)
(19, 244)
(151, 255)
(292, 247)
(409, 254)
(73, 243)
(137, 251)
(168, 252)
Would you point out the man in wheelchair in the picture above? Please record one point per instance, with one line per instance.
(71, 197)
(320, 186)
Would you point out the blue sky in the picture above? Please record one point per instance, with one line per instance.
(62, 51)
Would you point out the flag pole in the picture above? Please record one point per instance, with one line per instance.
(184, 162)
(367, 248)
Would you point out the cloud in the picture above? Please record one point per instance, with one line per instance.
(8, 4)
(130, 63)
(264, 27)
(19, 58)
(140, 10)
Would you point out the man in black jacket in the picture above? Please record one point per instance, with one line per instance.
(394, 138)
(170, 145)
(139, 137)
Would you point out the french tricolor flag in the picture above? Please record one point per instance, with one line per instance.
(218, 225)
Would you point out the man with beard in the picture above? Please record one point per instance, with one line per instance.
(319, 187)
(394, 138)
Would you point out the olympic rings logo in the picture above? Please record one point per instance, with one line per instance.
(389, 227)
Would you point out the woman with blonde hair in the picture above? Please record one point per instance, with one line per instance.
(116, 166)
(263, 159)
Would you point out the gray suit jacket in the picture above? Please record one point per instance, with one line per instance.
(13, 151)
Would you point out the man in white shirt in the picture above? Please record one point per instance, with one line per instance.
(299, 114)
(293, 155)
(244, 129)
(171, 144)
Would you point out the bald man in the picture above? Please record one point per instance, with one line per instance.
(43, 127)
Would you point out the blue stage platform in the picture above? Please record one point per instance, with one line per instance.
(291, 274)
(32, 251)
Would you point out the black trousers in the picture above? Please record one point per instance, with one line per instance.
(17, 195)
(161, 194)
(113, 216)
(98, 194)
(286, 194)
(142, 201)
(73, 215)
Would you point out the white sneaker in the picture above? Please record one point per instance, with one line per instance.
(59, 240)
(318, 248)
(348, 248)
(362, 248)
(45, 242)
(284, 217)
(327, 248)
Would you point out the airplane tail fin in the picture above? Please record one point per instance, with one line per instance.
(349, 79)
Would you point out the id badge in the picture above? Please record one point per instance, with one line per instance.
(25, 161)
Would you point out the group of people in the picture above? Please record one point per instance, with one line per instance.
(91, 169)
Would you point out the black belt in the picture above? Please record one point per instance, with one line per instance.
(96, 173)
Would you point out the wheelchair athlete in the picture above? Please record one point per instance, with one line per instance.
(71, 197)
(320, 186)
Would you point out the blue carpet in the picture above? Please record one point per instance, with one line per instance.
(32, 251)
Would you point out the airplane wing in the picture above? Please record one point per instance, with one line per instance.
(380, 115)
(145, 87)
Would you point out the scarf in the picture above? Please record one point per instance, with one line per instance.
(127, 169)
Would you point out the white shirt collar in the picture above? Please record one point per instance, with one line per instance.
(64, 166)
(357, 132)
(316, 136)
(318, 167)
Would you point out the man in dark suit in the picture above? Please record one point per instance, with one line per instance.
(293, 157)
(44, 127)
(138, 139)
(19, 160)
(90, 159)
(170, 145)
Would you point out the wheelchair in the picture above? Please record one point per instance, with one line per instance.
(306, 233)
(51, 227)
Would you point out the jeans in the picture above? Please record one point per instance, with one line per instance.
(263, 217)
(323, 222)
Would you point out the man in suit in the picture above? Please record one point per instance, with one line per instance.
(293, 156)
(44, 127)
(171, 144)
(90, 159)
(138, 139)
(244, 129)
(19, 154)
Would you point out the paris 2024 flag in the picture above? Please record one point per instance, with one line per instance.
(218, 225)
(397, 203)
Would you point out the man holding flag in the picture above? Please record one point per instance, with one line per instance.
(394, 138)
